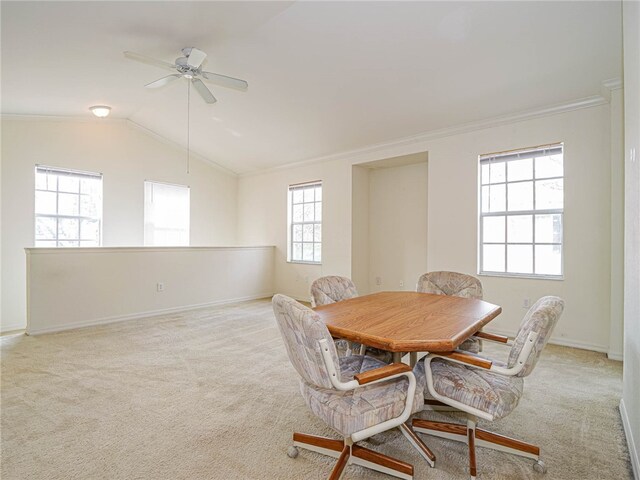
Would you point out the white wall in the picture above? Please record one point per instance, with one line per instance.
(73, 287)
(126, 156)
(397, 227)
(630, 405)
(452, 215)
(360, 228)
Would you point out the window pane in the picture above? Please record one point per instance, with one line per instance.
(52, 182)
(297, 213)
(89, 230)
(548, 228)
(68, 204)
(308, 194)
(88, 206)
(41, 181)
(484, 171)
(317, 233)
(520, 258)
(318, 194)
(493, 258)
(520, 229)
(46, 202)
(493, 229)
(318, 209)
(520, 170)
(45, 243)
(296, 253)
(297, 196)
(548, 260)
(166, 214)
(91, 186)
(520, 196)
(307, 252)
(68, 228)
(45, 228)
(497, 172)
(307, 233)
(317, 252)
(308, 212)
(549, 194)
(297, 233)
(550, 166)
(68, 184)
(493, 198)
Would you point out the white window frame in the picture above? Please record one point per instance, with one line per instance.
(147, 240)
(505, 157)
(58, 171)
(292, 224)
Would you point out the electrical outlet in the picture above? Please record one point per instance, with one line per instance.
(378, 281)
(526, 303)
(401, 284)
(160, 287)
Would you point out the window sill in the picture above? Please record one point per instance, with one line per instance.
(304, 263)
(525, 276)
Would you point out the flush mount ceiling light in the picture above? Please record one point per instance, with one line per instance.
(100, 111)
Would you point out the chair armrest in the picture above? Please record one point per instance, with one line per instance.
(382, 372)
(491, 337)
(462, 357)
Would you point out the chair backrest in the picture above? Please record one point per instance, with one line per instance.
(301, 329)
(332, 289)
(541, 318)
(450, 283)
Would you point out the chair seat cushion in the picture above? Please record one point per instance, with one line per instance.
(489, 392)
(354, 410)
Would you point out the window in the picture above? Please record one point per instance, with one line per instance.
(521, 212)
(68, 208)
(305, 223)
(166, 214)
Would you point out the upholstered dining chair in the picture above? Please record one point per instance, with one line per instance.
(457, 285)
(490, 390)
(357, 396)
(332, 289)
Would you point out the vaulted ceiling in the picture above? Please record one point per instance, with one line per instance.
(324, 77)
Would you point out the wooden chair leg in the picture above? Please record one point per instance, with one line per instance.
(343, 459)
(471, 441)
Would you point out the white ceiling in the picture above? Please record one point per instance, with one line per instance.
(323, 77)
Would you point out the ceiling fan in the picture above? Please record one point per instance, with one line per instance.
(190, 67)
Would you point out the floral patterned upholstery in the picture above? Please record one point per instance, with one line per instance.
(541, 318)
(332, 289)
(354, 410)
(492, 393)
(345, 411)
(457, 285)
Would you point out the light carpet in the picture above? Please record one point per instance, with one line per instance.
(210, 394)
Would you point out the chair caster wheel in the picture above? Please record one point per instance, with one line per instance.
(540, 467)
(292, 452)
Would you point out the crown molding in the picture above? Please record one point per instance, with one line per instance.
(171, 143)
(365, 154)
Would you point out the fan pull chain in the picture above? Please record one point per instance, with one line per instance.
(188, 124)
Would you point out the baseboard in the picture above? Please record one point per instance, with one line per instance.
(631, 444)
(11, 328)
(138, 315)
(565, 342)
(618, 356)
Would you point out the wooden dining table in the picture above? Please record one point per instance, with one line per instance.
(401, 322)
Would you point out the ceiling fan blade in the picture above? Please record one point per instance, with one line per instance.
(196, 57)
(203, 90)
(225, 81)
(148, 60)
(163, 81)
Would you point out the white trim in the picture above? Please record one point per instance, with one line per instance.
(139, 315)
(59, 250)
(618, 356)
(12, 329)
(565, 342)
(364, 154)
(631, 444)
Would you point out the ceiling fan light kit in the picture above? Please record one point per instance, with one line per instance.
(100, 111)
